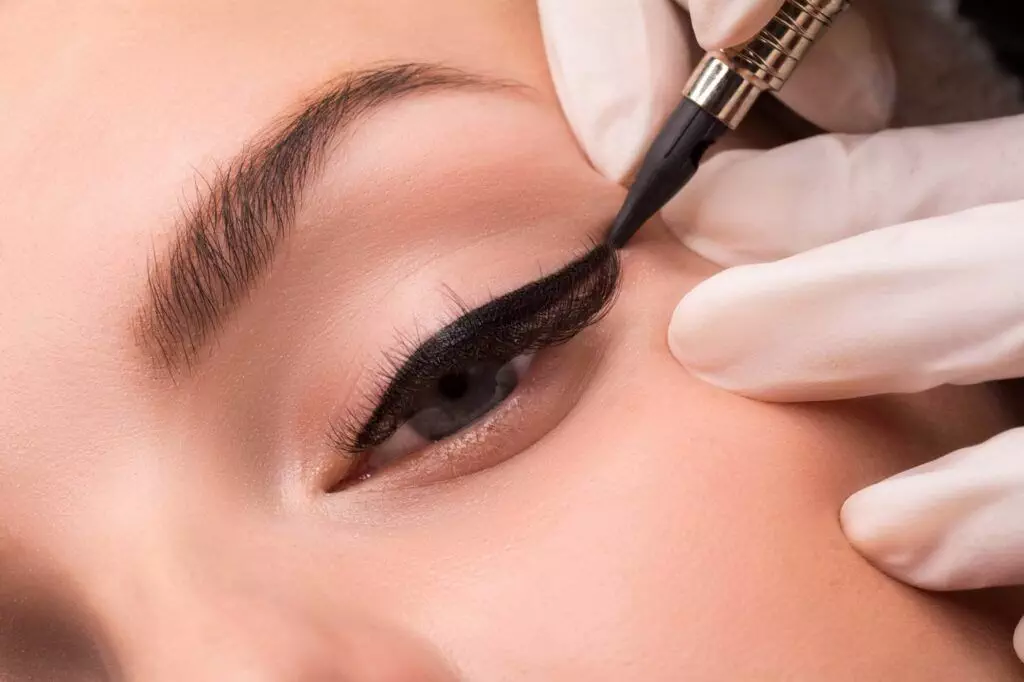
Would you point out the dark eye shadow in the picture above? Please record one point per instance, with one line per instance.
(541, 314)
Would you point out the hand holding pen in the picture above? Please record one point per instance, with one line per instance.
(901, 274)
(620, 67)
(898, 272)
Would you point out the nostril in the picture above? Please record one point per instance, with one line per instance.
(281, 639)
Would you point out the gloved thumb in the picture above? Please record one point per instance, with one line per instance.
(618, 68)
(723, 23)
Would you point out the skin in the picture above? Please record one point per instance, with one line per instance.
(641, 525)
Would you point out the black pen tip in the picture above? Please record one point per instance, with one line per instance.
(669, 164)
(625, 225)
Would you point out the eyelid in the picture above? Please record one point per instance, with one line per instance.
(540, 404)
(541, 314)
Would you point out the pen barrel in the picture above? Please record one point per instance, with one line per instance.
(727, 83)
(770, 57)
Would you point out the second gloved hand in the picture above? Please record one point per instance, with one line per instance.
(619, 67)
(900, 267)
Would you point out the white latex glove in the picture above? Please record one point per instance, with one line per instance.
(908, 273)
(619, 67)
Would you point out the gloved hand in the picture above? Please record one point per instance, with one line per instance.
(910, 271)
(902, 268)
(619, 67)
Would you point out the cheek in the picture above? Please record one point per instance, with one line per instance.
(674, 534)
(667, 526)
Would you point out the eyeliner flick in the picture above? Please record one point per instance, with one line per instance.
(544, 313)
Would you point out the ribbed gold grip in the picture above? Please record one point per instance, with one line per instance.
(726, 84)
(772, 54)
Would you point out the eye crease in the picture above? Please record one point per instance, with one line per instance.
(475, 362)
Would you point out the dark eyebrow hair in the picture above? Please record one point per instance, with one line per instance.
(227, 238)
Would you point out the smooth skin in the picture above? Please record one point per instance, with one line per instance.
(654, 529)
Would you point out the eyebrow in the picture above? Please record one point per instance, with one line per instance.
(226, 239)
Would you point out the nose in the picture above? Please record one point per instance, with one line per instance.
(251, 612)
(226, 644)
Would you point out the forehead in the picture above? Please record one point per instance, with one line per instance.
(112, 113)
(109, 111)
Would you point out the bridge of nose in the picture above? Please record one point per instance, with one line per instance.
(209, 604)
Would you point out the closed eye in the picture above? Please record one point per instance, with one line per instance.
(471, 365)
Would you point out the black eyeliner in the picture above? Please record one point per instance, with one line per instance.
(541, 314)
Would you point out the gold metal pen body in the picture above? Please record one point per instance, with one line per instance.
(718, 96)
(726, 83)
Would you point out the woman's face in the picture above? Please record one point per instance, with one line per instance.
(221, 377)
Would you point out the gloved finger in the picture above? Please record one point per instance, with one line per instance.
(955, 523)
(724, 23)
(896, 310)
(846, 83)
(753, 206)
(618, 69)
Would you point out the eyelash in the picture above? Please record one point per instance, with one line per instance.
(557, 308)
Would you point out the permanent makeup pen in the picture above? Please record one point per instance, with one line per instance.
(717, 97)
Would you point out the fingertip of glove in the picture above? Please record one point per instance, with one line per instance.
(948, 524)
(706, 333)
(868, 526)
(891, 530)
(618, 69)
(725, 23)
(689, 321)
(894, 528)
